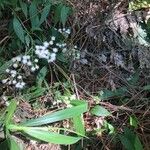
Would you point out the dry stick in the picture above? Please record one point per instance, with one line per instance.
(75, 87)
(6, 37)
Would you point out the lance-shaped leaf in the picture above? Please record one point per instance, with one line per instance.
(78, 108)
(51, 137)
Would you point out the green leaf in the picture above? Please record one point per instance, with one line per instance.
(64, 14)
(13, 144)
(133, 121)
(138, 144)
(41, 76)
(100, 111)
(126, 143)
(79, 108)
(5, 66)
(146, 88)
(78, 123)
(18, 29)
(34, 94)
(44, 13)
(130, 140)
(106, 94)
(57, 13)
(34, 18)
(27, 40)
(24, 8)
(51, 137)
(10, 112)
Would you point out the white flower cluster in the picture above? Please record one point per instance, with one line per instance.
(42, 51)
(14, 74)
(64, 31)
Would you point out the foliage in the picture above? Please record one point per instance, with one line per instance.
(36, 53)
(44, 133)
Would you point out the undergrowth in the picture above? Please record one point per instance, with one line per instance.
(55, 91)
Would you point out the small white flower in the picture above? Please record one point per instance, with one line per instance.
(60, 30)
(19, 77)
(64, 29)
(13, 72)
(68, 31)
(13, 75)
(4, 81)
(22, 83)
(18, 85)
(53, 55)
(29, 63)
(33, 69)
(7, 70)
(25, 57)
(75, 46)
(36, 66)
(73, 97)
(28, 56)
(14, 82)
(18, 58)
(24, 61)
(37, 47)
(64, 44)
(36, 60)
(14, 59)
(55, 50)
(53, 38)
(15, 65)
(51, 42)
(46, 44)
(64, 50)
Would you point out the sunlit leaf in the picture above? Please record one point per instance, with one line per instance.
(52, 137)
(79, 124)
(100, 111)
(10, 112)
(76, 110)
(13, 144)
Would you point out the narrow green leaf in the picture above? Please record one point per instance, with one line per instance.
(18, 29)
(130, 140)
(57, 13)
(51, 137)
(137, 143)
(79, 124)
(5, 66)
(41, 76)
(126, 143)
(100, 111)
(59, 115)
(27, 40)
(24, 8)
(13, 144)
(64, 14)
(44, 13)
(34, 18)
(10, 112)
